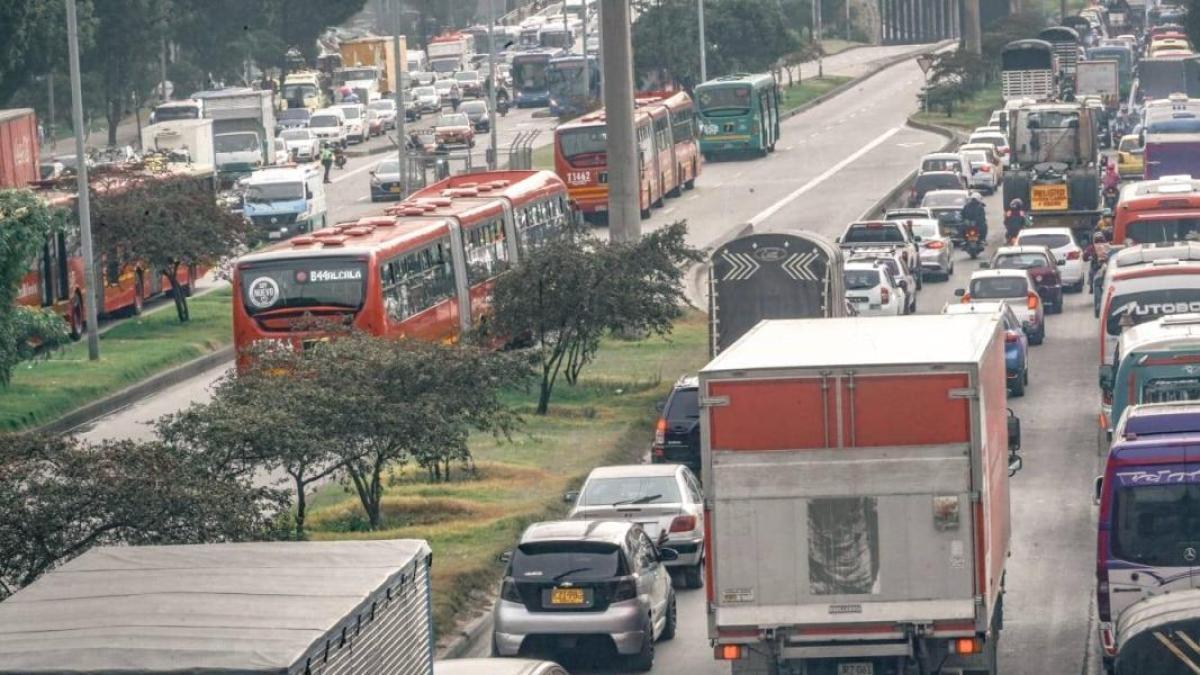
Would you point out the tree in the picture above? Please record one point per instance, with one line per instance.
(163, 224)
(60, 496)
(753, 35)
(34, 40)
(666, 43)
(25, 222)
(124, 54)
(572, 292)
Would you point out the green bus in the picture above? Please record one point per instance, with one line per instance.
(738, 113)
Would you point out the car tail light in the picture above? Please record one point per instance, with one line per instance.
(623, 589)
(683, 524)
(934, 244)
(985, 168)
(660, 432)
(508, 591)
(1073, 255)
(1032, 300)
(1011, 336)
(884, 296)
(966, 646)
(966, 298)
(1004, 150)
(729, 652)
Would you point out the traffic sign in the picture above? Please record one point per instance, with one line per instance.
(925, 61)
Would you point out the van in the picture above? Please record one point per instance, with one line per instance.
(285, 201)
(329, 125)
(1156, 362)
(1146, 543)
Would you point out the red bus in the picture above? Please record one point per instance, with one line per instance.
(56, 280)
(424, 270)
(1155, 211)
(666, 137)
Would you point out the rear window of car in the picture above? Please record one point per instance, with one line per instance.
(877, 234)
(994, 140)
(976, 157)
(684, 405)
(1020, 261)
(926, 182)
(946, 164)
(999, 287)
(944, 200)
(926, 229)
(562, 560)
(861, 280)
(630, 490)
(1050, 241)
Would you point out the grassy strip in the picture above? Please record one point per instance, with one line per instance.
(803, 92)
(606, 418)
(833, 46)
(43, 390)
(543, 157)
(971, 113)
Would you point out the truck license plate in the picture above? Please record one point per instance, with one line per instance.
(856, 669)
(1049, 198)
(566, 596)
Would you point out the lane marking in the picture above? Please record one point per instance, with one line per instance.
(771, 210)
(369, 165)
(668, 210)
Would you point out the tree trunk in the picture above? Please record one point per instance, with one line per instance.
(112, 112)
(301, 507)
(376, 492)
(177, 294)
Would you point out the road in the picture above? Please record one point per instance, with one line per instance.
(835, 161)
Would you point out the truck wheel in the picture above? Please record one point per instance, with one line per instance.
(643, 660)
(1016, 186)
(668, 631)
(1083, 190)
(1017, 389)
(693, 577)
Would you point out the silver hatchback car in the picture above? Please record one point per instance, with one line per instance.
(591, 584)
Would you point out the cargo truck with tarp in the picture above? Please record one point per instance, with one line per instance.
(276, 608)
(772, 275)
(1160, 78)
(856, 485)
(1027, 70)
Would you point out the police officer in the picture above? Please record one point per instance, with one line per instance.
(326, 160)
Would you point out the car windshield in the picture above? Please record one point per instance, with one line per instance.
(452, 121)
(725, 101)
(684, 405)
(388, 167)
(1050, 241)
(630, 490)
(1129, 144)
(1153, 524)
(272, 192)
(324, 121)
(296, 284)
(1155, 231)
(860, 280)
(999, 287)
(247, 142)
(1019, 261)
(874, 233)
(942, 200)
(296, 135)
(566, 561)
(473, 107)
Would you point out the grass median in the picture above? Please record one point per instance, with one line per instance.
(969, 114)
(607, 418)
(45, 389)
(800, 93)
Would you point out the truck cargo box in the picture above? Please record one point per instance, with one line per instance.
(19, 163)
(286, 608)
(856, 476)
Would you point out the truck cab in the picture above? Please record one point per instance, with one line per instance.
(1147, 542)
(285, 201)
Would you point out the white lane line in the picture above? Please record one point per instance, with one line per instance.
(789, 147)
(668, 210)
(362, 198)
(771, 210)
(369, 165)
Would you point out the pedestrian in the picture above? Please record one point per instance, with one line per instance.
(455, 98)
(326, 160)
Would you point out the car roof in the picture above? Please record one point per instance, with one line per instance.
(938, 173)
(915, 209)
(634, 471)
(982, 307)
(1026, 248)
(988, 134)
(687, 382)
(955, 191)
(1044, 230)
(605, 531)
(860, 265)
(982, 274)
(941, 155)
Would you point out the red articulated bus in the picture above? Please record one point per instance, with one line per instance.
(424, 270)
(666, 136)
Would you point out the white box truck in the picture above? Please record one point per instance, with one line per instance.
(187, 140)
(277, 608)
(856, 496)
(243, 128)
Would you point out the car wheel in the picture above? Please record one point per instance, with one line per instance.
(1040, 336)
(644, 659)
(1078, 288)
(1018, 387)
(693, 576)
(495, 650)
(668, 631)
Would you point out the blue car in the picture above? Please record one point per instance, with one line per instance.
(1016, 342)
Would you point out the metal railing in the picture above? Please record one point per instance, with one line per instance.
(520, 151)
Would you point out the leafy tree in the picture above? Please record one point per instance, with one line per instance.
(25, 222)
(163, 223)
(60, 496)
(572, 292)
(33, 40)
(666, 42)
(298, 23)
(124, 55)
(753, 34)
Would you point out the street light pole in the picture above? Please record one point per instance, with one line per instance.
(85, 207)
(703, 46)
(587, 90)
(624, 161)
(492, 159)
(401, 147)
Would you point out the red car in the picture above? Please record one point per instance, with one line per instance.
(454, 129)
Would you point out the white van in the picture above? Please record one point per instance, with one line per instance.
(285, 201)
(329, 125)
(357, 128)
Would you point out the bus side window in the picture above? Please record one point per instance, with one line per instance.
(487, 254)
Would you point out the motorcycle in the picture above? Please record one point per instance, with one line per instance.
(972, 243)
(502, 106)
(339, 158)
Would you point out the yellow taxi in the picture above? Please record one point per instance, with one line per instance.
(1169, 44)
(1129, 158)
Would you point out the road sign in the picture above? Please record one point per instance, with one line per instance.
(925, 61)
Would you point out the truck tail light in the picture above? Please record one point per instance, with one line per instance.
(1073, 255)
(985, 169)
(1032, 300)
(660, 432)
(730, 652)
(884, 296)
(966, 646)
(966, 298)
(683, 524)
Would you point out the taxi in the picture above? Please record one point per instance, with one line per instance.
(1130, 159)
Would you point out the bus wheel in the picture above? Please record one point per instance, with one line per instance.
(771, 147)
(75, 317)
(678, 189)
(645, 213)
(690, 184)
(761, 152)
(139, 294)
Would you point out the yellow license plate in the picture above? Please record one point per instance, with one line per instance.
(566, 596)
(1049, 198)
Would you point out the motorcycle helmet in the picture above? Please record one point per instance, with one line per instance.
(1106, 212)
(975, 197)
(1016, 204)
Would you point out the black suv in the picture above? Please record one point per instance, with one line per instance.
(677, 435)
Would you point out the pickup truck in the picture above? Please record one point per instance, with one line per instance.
(856, 485)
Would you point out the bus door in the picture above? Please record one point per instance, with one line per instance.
(647, 162)
(668, 176)
(462, 289)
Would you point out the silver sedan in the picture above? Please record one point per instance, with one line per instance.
(935, 248)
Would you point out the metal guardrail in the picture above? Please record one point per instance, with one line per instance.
(520, 151)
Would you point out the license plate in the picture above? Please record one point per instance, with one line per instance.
(394, 189)
(1049, 198)
(857, 299)
(566, 596)
(274, 235)
(856, 669)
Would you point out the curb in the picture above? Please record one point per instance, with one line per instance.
(371, 151)
(464, 639)
(135, 392)
(879, 207)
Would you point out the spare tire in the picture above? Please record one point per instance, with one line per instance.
(1016, 186)
(1083, 190)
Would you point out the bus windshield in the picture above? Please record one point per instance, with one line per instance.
(530, 75)
(1161, 230)
(725, 101)
(313, 282)
(584, 147)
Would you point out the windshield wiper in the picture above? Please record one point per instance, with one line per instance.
(570, 571)
(640, 500)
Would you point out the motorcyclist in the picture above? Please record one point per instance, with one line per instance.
(1111, 178)
(1097, 255)
(1014, 219)
(339, 157)
(974, 212)
(1111, 195)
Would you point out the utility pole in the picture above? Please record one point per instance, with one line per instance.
(817, 38)
(587, 64)
(401, 139)
(624, 163)
(972, 41)
(491, 158)
(600, 46)
(85, 212)
(703, 45)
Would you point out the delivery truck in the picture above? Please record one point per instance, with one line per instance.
(856, 486)
(243, 129)
(188, 141)
(1099, 78)
(279, 608)
(372, 52)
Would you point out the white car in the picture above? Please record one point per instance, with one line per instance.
(996, 139)
(427, 99)
(880, 233)
(356, 121)
(1067, 254)
(302, 143)
(984, 175)
(329, 125)
(1014, 287)
(946, 161)
(904, 276)
(665, 499)
(871, 290)
(385, 110)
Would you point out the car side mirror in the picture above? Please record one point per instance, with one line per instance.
(1106, 377)
(902, 284)
(837, 240)
(1014, 431)
(1061, 261)
(916, 238)
(1015, 464)
(505, 557)
(660, 406)
(571, 496)
(985, 265)
(668, 554)
(1097, 490)
(960, 292)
